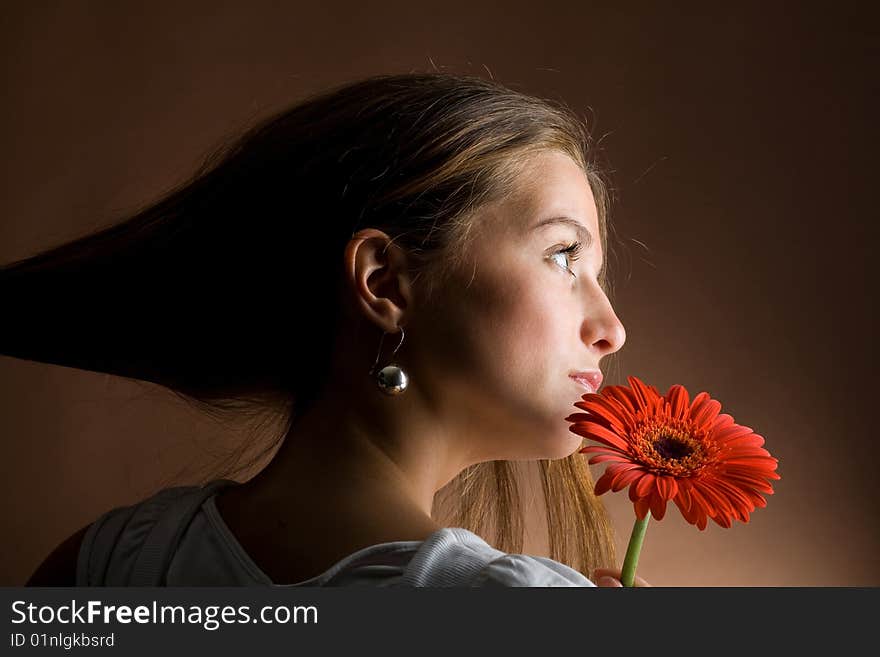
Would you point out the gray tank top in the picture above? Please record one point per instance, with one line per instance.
(177, 537)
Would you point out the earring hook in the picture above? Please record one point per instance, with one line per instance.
(379, 353)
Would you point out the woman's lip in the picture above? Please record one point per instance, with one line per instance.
(589, 380)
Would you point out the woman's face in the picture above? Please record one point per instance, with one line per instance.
(518, 317)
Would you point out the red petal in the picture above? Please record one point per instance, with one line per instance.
(608, 409)
(701, 513)
(740, 499)
(643, 394)
(623, 396)
(730, 432)
(600, 434)
(666, 487)
(699, 505)
(760, 465)
(722, 422)
(757, 463)
(642, 507)
(683, 499)
(723, 520)
(603, 485)
(705, 410)
(759, 501)
(624, 479)
(678, 401)
(634, 492)
(747, 440)
(718, 501)
(658, 506)
(745, 449)
(686, 513)
(645, 485)
(750, 481)
(603, 450)
(602, 458)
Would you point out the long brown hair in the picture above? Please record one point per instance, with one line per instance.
(170, 294)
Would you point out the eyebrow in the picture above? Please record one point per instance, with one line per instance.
(585, 235)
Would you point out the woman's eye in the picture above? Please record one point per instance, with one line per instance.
(569, 253)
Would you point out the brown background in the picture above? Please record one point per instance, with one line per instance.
(742, 142)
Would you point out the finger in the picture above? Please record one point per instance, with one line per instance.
(606, 581)
(616, 574)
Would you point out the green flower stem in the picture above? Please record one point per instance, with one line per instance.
(631, 560)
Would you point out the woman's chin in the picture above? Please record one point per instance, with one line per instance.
(572, 448)
(543, 440)
(563, 447)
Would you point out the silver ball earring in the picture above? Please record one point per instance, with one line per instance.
(391, 379)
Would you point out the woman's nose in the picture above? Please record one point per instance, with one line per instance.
(604, 332)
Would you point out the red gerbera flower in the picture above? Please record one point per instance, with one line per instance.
(665, 448)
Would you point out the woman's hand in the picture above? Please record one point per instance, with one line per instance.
(608, 578)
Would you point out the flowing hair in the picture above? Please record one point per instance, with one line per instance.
(172, 294)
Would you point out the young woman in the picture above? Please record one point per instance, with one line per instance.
(411, 269)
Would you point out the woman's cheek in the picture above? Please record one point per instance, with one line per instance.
(530, 342)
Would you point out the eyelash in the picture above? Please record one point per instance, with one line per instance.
(572, 251)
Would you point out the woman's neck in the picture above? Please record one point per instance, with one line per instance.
(296, 531)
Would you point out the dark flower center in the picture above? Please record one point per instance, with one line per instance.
(672, 448)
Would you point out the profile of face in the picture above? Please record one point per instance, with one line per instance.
(518, 316)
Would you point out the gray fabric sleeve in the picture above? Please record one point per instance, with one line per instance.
(526, 570)
(96, 549)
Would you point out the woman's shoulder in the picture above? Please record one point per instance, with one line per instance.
(455, 556)
(131, 545)
(149, 532)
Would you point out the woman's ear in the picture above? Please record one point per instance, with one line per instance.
(377, 275)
